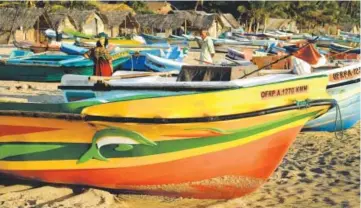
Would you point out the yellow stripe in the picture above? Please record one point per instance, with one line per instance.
(218, 103)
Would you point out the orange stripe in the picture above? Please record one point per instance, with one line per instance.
(14, 130)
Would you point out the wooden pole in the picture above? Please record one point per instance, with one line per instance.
(129, 76)
(125, 25)
(185, 26)
(38, 32)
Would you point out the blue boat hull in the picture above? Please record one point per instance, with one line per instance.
(350, 114)
(136, 63)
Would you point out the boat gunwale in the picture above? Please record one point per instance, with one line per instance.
(183, 86)
(90, 118)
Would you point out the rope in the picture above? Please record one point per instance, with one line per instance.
(131, 60)
(308, 103)
(338, 114)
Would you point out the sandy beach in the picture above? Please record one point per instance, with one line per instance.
(319, 170)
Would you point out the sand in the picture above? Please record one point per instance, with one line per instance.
(318, 171)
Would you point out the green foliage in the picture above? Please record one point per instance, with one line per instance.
(140, 7)
(307, 14)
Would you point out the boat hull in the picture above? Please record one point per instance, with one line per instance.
(141, 143)
(189, 163)
(212, 175)
(348, 114)
(48, 68)
(40, 73)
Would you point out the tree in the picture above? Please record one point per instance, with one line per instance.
(259, 11)
(140, 7)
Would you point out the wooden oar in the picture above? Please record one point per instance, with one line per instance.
(128, 76)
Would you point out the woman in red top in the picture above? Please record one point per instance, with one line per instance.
(102, 60)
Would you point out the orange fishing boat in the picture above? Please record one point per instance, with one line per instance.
(202, 143)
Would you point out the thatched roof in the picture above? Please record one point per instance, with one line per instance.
(203, 21)
(231, 20)
(349, 27)
(116, 18)
(224, 21)
(159, 21)
(56, 18)
(78, 17)
(198, 19)
(13, 18)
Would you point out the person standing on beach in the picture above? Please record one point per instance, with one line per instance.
(207, 48)
(101, 58)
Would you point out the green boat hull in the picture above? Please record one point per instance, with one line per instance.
(37, 73)
(43, 73)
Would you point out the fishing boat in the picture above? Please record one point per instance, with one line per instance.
(50, 67)
(278, 35)
(72, 49)
(343, 48)
(113, 41)
(34, 47)
(178, 37)
(341, 87)
(344, 87)
(137, 62)
(151, 39)
(189, 37)
(159, 64)
(161, 143)
(235, 54)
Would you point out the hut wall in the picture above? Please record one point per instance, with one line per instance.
(114, 31)
(93, 26)
(108, 31)
(29, 35)
(213, 30)
(4, 36)
(168, 32)
(20, 35)
(66, 24)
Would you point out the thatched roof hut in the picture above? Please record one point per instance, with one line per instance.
(159, 21)
(86, 21)
(59, 21)
(116, 18)
(22, 24)
(119, 22)
(280, 24)
(14, 18)
(198, 19)
(231, 21)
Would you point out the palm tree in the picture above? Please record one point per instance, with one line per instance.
(260, 11)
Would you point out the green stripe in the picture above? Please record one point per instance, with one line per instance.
(71, 151)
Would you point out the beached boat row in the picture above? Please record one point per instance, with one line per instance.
(204, 131)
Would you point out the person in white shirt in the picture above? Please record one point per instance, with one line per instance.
(207, 48)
